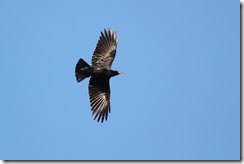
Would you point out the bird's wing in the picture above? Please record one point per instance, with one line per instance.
(105, 51)
(99, 92)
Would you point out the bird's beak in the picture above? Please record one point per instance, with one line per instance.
(121, 73)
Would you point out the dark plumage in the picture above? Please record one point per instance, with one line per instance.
(100, 73)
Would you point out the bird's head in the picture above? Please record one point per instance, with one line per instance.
(115, 73)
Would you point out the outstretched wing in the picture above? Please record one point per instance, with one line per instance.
(99, 97)
(105, 51)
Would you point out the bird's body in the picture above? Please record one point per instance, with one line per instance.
(100, 73)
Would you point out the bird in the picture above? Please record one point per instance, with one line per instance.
(100, 73)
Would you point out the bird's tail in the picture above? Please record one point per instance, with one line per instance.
(82, 70)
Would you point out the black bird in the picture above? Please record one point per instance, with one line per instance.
(100, 73)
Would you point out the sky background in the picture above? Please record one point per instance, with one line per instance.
(178, 100)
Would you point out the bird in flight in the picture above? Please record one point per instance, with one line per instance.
(100, 73)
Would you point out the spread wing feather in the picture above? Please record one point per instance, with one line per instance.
(99, 92)
(105, 51)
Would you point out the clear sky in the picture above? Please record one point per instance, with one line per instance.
(178, 100)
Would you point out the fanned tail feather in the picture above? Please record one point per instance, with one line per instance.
(82, 70)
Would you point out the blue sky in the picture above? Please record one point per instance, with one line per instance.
(178, 100)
